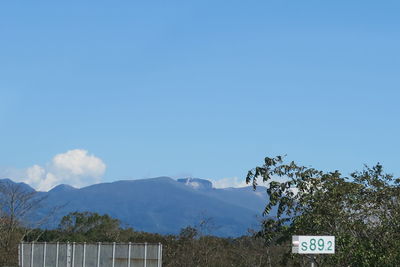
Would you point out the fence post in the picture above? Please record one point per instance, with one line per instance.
(32, 251)
(84, 255)
(98, 254)
(57, 249)
(159, 255)
(129, 254)
(73, 254)
(44, 254)
(145, 254)
(113, 254)
(68, 254)
(19, 254)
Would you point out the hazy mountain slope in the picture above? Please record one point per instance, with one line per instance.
(244, 197)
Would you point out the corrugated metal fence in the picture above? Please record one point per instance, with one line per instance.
(38, 254)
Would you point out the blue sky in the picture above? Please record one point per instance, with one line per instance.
(199, 88)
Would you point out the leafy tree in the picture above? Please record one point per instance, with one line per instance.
(89, 226)
(188, 233)
(362, 211)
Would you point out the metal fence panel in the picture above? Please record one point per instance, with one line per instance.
(38, 254)
(121, 255)
(106, 256)
(50, 251)
(63, 255)
(152, 256)
(137, 255)
(25, 254)
(91, 255)
(78, 255)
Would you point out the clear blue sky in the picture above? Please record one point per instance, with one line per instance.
(201, 88)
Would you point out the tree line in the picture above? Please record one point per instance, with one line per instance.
(188, 248)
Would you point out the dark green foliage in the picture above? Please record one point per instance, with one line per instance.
(90, 227)
(188, 233)
(362, 211)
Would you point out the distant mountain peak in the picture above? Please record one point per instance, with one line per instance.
(62, 188)
(24, 186)
(196, 183)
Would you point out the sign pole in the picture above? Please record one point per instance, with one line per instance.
(313, 261)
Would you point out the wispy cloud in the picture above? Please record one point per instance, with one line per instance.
(229, 182)
(241, 182)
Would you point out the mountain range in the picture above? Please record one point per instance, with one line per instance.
(161, 205)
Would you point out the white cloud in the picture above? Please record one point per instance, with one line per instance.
(74, 167)
(35, 174)
(78, 162)
(241, 182)
(230, 182)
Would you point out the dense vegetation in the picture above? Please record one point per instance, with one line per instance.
(189, 248)
(362, 211)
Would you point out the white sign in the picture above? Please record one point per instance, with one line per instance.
(307, 244)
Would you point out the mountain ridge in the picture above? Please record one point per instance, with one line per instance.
(162, 204)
